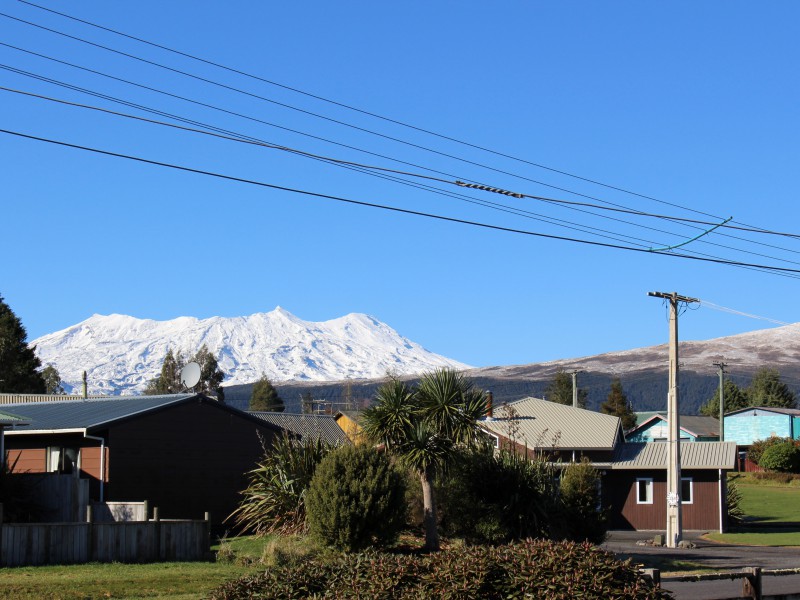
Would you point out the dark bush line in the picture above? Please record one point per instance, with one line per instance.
(530, 569)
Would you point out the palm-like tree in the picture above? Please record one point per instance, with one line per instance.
(424, 426)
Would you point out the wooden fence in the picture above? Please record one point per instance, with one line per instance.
(23, 544)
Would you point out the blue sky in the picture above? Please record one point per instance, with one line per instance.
(694, 104)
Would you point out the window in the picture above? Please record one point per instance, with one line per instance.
(644, 490)
(686, 490)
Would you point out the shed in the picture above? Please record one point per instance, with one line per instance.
(185, 454)
(635, 485)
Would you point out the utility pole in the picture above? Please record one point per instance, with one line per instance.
(575, 389)
(674, 516)
(721, 366)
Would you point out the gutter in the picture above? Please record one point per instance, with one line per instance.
(102, 461)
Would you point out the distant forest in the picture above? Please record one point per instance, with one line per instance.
(646, 390)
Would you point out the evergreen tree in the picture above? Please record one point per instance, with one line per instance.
(617, 405)
(169, 381)
(19, 365)
(767, 389)
(560, 390)
(734, 398)
(211, 375)
(52, 380)
(265, 396)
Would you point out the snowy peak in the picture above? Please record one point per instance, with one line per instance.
(122, 353)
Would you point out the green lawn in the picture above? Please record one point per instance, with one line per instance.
(773, 515)
(175, 581)
(172, 581)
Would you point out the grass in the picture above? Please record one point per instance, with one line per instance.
(773, 513)
(167, 581)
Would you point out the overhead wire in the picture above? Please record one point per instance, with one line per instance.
(679, 220)
(776, 269)
(603, 233)
(257, 96)
(359, 110)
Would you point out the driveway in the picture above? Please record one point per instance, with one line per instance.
(720, 557)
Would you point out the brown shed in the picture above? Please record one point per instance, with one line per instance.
(185, 454)
(635, 485)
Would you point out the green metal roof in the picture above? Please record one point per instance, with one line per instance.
(653, 455)
(7, 418)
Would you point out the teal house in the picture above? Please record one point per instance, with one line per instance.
(748, 425)
(655, 428)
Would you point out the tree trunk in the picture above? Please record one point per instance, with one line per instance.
(429, 506)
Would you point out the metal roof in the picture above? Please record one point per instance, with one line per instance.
(783, 411)
(7, 418)
(316, 426)
(544, 424)
(88, 414)
(694, 455)
(694, 424)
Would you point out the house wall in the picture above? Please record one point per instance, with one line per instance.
(748, 427)
(32, 460)
(185, 459)
(351, 429)
(619, 491)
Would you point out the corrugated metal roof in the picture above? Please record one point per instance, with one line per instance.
(783, 411)
(694, 455)
(90, 413)
(696, 425)
(7, 418)
(544, 424)
(322, 427)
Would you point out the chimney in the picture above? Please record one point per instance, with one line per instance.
(85, 392)
(489, 404)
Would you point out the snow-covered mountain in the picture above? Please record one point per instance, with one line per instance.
(121, 354)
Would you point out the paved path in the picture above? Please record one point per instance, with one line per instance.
(720, 557)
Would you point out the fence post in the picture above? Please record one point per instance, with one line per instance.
(157, 533)
(751, 587)
(654, 575)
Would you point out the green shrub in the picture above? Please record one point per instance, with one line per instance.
(756, 450)
(783, 457)
(532, 569)
(496, 497)
(582, 517)
(274, 500)
(356, 499)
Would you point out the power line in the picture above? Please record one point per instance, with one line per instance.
(559, 222)
(391, 208)
(359, 110)
(256, 96)
(206, 80)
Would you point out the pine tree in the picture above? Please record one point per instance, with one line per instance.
(211, 375)
(18, 363)
(767, 389)
(52, 380)
(734, 398)
(265, 396)
(617, 405)
(169, 380)
(560, 390)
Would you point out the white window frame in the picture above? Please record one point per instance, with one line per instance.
(691, 490)
(648, 482)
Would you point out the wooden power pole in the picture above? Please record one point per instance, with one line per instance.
(674, 522)
(721, 366)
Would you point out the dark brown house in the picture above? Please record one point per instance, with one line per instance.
(186, 454)
(634, 475)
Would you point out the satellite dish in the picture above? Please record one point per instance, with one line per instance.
(190, 375)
